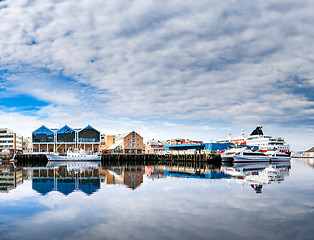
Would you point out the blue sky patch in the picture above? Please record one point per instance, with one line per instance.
(22, 103)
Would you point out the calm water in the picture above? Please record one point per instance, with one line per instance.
(158, 202)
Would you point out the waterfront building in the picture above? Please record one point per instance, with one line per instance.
(124, 143)
(60, 140)
(198, 147)
(10, 141)
(156, 146)
(106, 141)
(27, 144)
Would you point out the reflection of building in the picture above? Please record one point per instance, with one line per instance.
(124, 143)
(179, 171)
(53, 140)
(10, 178)
(10, 140)
(132, 177)
(62, 180)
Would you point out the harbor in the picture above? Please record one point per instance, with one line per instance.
(130, 187)
(67, 144)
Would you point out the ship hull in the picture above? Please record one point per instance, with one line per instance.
(252, 159)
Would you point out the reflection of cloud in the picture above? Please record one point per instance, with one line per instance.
(174, 208)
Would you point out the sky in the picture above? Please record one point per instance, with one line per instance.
(166, 69)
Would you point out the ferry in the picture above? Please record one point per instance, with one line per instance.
(267, 143)
(74, 155)
(257, 138)
(277, 156)
(249, 156)
(227, 156)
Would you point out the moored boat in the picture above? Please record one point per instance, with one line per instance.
(247, 156)
(250, 156)
(227, 156)
(74, 155)
(276, 156)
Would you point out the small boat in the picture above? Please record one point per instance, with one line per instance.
(74, 155)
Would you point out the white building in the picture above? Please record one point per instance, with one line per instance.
(10, 140)
(27, 144)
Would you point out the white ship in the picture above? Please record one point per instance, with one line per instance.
(267, 143)
(74, 155)
(227, 156)
(257, 138)
(249, 156)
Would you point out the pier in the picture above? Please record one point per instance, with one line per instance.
(28, 159)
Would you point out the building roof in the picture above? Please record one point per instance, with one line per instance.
(115, 145)
(123, 135)
(310, 150)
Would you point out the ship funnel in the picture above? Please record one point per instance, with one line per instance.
(257, 131)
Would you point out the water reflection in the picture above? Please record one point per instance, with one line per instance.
(130, 176)
(308, 161)
(65, 177)
(258, 174)
(162, 200)
(87, 176)
(10, 177)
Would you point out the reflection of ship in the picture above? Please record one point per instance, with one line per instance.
(76, 166)
(66, 178)
(74, 155)
(10, 177)
(258, 174)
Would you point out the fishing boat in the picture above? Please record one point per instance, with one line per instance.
(74, 155)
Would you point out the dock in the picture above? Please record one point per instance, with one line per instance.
(40, 159)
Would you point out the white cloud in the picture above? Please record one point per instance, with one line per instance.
(238, 62)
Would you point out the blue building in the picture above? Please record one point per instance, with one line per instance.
(60, 140)
(213, 147)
